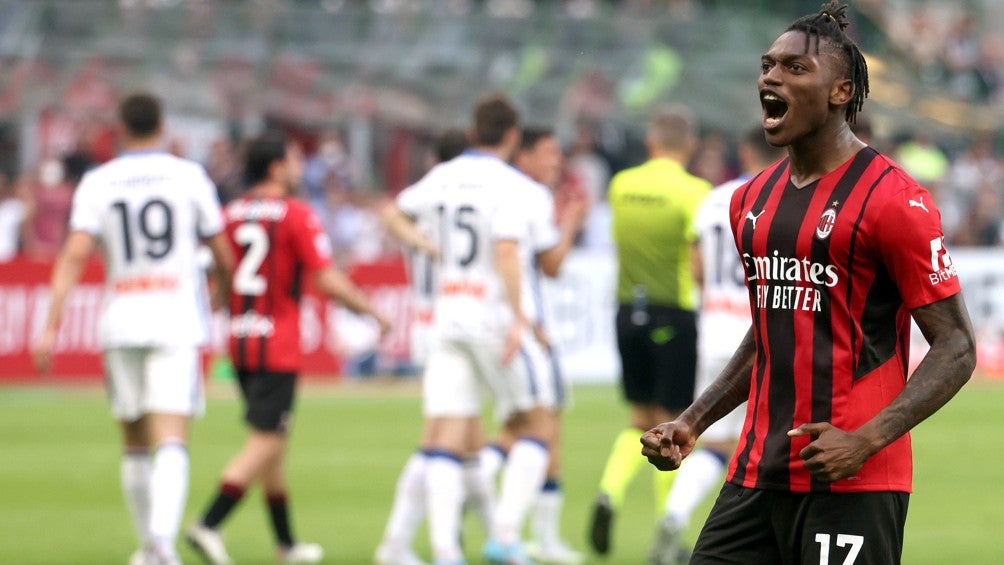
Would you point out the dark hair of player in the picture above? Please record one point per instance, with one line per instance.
(830, 23)
(259, 156)
(451, 143)
(140, 114)
(532, 135)
(493, 116)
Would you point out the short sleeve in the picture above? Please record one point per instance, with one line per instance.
(542, 222)
(413, 199)
(700, 193)
(311, 244)
(911, 244)
(84, 213)
(207, 202)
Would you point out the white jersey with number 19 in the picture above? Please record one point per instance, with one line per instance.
(469, 203)
(149, 209)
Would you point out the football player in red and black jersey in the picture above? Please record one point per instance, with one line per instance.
(841, 249)
(278, 240)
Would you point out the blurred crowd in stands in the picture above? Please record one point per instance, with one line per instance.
(365, 118)
(967, 180)
(946, 44)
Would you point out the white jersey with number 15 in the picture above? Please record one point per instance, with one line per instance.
(468, 204)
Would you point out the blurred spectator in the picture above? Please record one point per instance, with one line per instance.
(327, 171)
(963, 58)
(982, 225)
(224, 169)
(53, 195)
(585, 162)
(977, 164)
(922, 159)
(710, 161)
(353, 223)
(16, 211)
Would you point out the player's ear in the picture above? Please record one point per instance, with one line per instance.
(841, 91)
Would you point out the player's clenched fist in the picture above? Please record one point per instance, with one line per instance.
(667, 444)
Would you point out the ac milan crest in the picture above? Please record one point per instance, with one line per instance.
(825, 225)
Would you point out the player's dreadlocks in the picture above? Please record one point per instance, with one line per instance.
(830, 23)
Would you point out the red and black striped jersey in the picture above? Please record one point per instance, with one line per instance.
(833, 269)
(276, 241)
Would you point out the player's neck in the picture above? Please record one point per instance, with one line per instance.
(677, 157)
(814, 156)
(136, 144)
(494, 151)
(267, 189)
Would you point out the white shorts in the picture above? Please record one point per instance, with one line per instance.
(538, 376)
(420, 337)
(460, 372)
(144, 380)
(731, 425)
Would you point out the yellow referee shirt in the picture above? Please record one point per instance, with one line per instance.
(653, 207)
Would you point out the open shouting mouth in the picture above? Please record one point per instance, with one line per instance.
(774, 109)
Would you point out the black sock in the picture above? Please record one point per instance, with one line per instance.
(280, 519)
(228, 497)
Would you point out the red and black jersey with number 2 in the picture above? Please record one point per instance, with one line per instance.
(276, 241)
(833, 269)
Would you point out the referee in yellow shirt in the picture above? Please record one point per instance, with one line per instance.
(653, 207)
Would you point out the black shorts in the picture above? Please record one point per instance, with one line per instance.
(268, 399)
(658, 356)
(768, 527)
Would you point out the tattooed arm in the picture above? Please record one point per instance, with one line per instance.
(835, 454)
(667, 444)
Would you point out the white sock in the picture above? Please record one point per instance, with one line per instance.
(409, 505)
(480, 492)
(701, 471)
(547, 514)
(492, 458)
(168, 492)
(522, 478)
(135, 474)
(444, 499)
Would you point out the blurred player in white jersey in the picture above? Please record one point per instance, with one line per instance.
(723, 322)
(149, 211)
(408, 509)
(480, 327)
(544, 249)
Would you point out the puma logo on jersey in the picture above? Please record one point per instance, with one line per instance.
(752, 218)
(918, 204)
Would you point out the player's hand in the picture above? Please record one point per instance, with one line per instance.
(667, 444)
(541, 335)
(578, 208)
(384, 323)
(513, 339)
(219, 298)
(43, 350)
(430, 250)
(832, 454)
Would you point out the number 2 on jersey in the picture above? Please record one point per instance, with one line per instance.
(255, 241)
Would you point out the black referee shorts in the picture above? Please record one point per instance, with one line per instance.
(658, 356)
(268, 398)
(767, 527)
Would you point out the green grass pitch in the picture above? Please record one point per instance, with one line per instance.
(60, 501)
